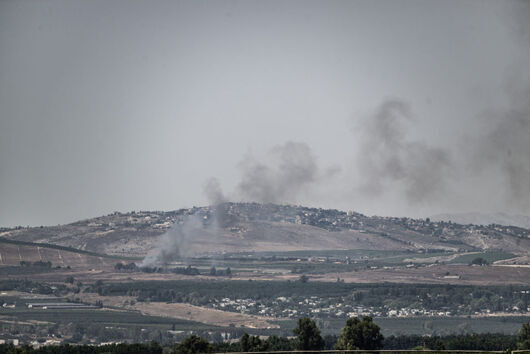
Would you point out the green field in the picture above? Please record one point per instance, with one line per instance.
(323, 261)
(104, 317)
(488, 256)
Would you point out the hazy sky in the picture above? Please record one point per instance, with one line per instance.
(384, 107)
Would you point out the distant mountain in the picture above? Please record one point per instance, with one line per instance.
(246, 227)
(485, 219)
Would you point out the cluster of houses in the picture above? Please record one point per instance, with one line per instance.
(330, 219)
(283, 307)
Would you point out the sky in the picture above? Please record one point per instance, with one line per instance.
(403, 108)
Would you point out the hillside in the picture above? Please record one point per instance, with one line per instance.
(35, 256)
(485, 219)
(243, 227)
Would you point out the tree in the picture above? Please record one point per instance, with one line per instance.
(434, 343)
(275, 343)
(193, 344)
(479, 261)
(303, 278)
(244, 343)
(360, 334)
(256, 344)
(308, 335)
(523, 338)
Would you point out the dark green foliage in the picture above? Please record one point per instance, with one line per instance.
(523, 338)
(121, 267)
(330, 341)
(153, 348)
(32, 287)
(479, 261)
(193, 344)
(36, 264)
(402, 342)
(485, 341)
(254, 344)
(434, 343)
(360, 334)
(244, 343)
(189, 270)
(308, 335)
(251, 344)
(196, 344)
(132, 267)
(460, 299)
(275, 343)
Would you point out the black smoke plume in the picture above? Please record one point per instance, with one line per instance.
(289, 170)
(388, 158)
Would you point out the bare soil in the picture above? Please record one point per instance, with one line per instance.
(182, 311)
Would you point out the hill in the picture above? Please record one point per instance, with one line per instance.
(243, 227)
(36, 255)
(485, 219)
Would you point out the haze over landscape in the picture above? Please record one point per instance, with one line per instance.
(218, 176)
(402, 108)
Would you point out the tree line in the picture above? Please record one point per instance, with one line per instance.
(189, 270)
(358, 333)
(458, 299)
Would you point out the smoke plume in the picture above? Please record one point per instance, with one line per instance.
(389, 159)
(174, 244)
(289, 169)
(505, 150)
(213, 192)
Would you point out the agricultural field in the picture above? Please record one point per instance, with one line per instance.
(490, 257)
(409, 284)
(85, 325)
(16, 253)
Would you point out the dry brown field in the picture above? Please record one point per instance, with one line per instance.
(182, 311)
(13, 254)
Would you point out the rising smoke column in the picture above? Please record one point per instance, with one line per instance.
(174, 244)
(387, 158)
(504, 150)
(289, 169)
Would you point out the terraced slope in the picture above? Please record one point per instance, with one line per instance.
(13, 253)
(245, 227)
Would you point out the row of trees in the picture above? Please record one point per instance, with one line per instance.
(456, 299)
(36, 264)
(189, 270)
(357, 334)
